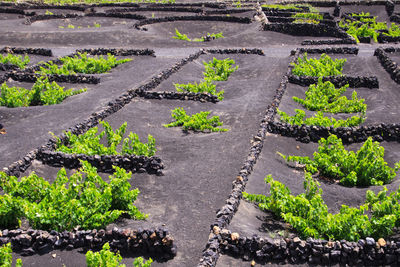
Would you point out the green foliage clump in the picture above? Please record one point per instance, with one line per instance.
(83, 199)
(196, 122)
(324, 66)
(319, 119)
(202, 87)
(81, 63)
(308, 213)
(106, 258)
(366, 26)
(42, 93)
(184, 37)
(89, 143)
(215, 70)
(362, 168)
(15, 60)
(393, 31)
(308, 21)
(323, 96)
(282, 7)
(313, 16)
(219, 70)
(294, 7)
(6, 256)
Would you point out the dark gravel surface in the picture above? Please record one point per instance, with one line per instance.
(199, 167)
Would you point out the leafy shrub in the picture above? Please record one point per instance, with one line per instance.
(180, 36)
(219, 70)
(83, 199)
(362, 168)
(81, 63)
(312, 16)
(106, 258)
(184, 37)
(215, 70)
(367, 26)
(319, 119)
(15, 60)
(393, 31)
(308, 21)
(6, 256)
(324, 66)
(42, 93)
(89, 143)
(308, 213)
(202, 87)
(323, 96)
(196, 122)
(282, 7)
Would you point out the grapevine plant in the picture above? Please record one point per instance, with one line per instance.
(43, 92)
(196, 122)
(184, 37)
(323, 66)
(362, 168)
(323, 96)
(81, 63)
(365, 25)
(215, 70)
(89, 143)
(308, 214)
(319, 119)
(15, 60)
(107, 258)
(83, 199)
(6, 257)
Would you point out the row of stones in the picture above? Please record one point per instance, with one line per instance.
(158, 242)
(296, 251)
(388, 64)
(104, 163)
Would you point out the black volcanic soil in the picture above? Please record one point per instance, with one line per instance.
(199, 167)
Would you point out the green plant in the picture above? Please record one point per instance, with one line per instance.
(48, 13)
(393, 31)
(81, 63)
(219, 70)
(202, 87)
(323, 66)
(83, 199)
(184, 37)
(89, 143)
(97, 25)
(180, 36)
(282, 7)
(106, 258)
(309, 21)
(312, 16)
(308, 213)
(6, 256)
(42, 93)
(196, 122)
(237, 4)
(366, 26)
(319, 119)
(15, 60)
(362, 168)
(323, 96)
